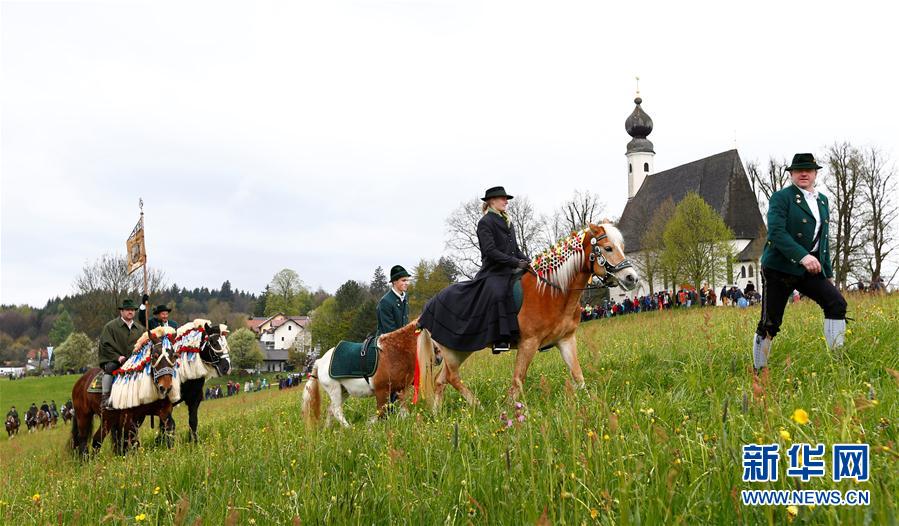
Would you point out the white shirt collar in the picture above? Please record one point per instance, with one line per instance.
(129, 324)
(400, 296)
(809, 194)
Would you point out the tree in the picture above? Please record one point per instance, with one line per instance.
(652, 244)
(282, 293)
(245, 351)
(844, 182)
(697, 242)
(775, 178)
(580, 210)
(527, 223)
(259, 307)
(101, 287)
(429, 279)
(325, 325)
(77, 352)
(462, 237)
(878, 183)
(62, 327)
(379, 283)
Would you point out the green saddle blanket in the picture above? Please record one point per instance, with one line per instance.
(96, 385)
(350, 362)
(517, 293)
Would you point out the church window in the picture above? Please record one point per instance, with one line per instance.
(743, 271)
(290, 328)
(646, 167)
(751, 274)
(630, 168)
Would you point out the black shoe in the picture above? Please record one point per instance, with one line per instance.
(501, 347)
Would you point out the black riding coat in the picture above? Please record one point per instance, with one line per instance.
(471, 315)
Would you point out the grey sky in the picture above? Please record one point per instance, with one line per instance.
(333, 137)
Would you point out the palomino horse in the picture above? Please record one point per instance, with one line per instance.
(12, 426)
(550, 312)
(396, 371)
(212, 360)
(122, 423)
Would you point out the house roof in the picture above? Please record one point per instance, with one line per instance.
(720, 180)
(256, 322)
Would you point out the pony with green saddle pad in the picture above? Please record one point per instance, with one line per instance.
(378, 367)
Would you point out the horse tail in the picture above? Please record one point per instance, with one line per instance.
(426, 365)
(312, 398)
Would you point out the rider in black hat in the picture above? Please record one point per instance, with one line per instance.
(796, 256)
(393, 309)
(160, 316)
(482, 311)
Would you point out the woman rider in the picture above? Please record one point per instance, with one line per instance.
(470, 315)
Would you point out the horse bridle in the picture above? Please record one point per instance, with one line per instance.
(609, 279)
(168, 369)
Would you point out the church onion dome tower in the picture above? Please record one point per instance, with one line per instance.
(640, 151)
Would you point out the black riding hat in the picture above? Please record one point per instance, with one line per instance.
(803, 161)
(161, 308)
(496, 191)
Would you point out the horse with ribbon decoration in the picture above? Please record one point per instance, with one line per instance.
(202, 352)
(550, 309)
(147, 384)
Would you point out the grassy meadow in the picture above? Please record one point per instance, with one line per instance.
(655, 439)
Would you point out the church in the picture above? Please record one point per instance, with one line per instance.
(719, 179)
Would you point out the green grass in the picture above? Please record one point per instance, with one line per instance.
(655, 439)
(25, 391)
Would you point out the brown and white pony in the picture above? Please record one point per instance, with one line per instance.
(123, 424)
(550, 312)
(396, 372)
(12, 426)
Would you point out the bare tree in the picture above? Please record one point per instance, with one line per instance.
(582, 209)
(527, 223)
(101, 287)
(878, 185)
(462, 237)
(553, 228)
(764, 185)
(844, 182)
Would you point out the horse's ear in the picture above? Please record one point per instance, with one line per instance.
(606, 220)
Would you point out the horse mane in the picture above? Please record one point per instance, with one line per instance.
(158, 332)
(560, 262)
(402, 338)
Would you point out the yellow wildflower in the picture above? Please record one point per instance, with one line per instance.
(800, 416)
(784, 434)
(141, 517)
(594, 513)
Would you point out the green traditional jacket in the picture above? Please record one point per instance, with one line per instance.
(791, 233)
(393, 312)
(117, 339)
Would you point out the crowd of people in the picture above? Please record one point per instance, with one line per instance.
(291, 380)
(662, 300)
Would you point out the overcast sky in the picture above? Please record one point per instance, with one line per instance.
(332, 137)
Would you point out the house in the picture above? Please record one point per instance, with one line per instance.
(277, 334)
(719, 180)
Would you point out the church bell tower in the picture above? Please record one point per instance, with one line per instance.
(640, 151)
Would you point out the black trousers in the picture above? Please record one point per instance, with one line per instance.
(778, 286)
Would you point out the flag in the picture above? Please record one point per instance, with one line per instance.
(137, 252)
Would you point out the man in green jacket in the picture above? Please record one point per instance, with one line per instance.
(117, 341)
(796, 256)
(393, 309)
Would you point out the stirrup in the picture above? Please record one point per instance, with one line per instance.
(501, 347)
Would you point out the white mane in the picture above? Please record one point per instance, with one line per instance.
(561, 262)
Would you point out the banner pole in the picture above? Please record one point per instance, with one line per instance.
(146, 290)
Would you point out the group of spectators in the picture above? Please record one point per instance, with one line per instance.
(665, 299)
(291, 380)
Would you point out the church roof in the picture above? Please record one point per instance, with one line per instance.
(720, 180)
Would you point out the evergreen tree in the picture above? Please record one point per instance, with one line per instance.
(379, 283)
(62, 327)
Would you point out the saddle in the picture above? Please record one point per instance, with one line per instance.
(354, 359)
(96, 383)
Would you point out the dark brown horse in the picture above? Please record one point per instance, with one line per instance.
(550, 312)
(67, 413)
(123, 424)
(12, 426)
